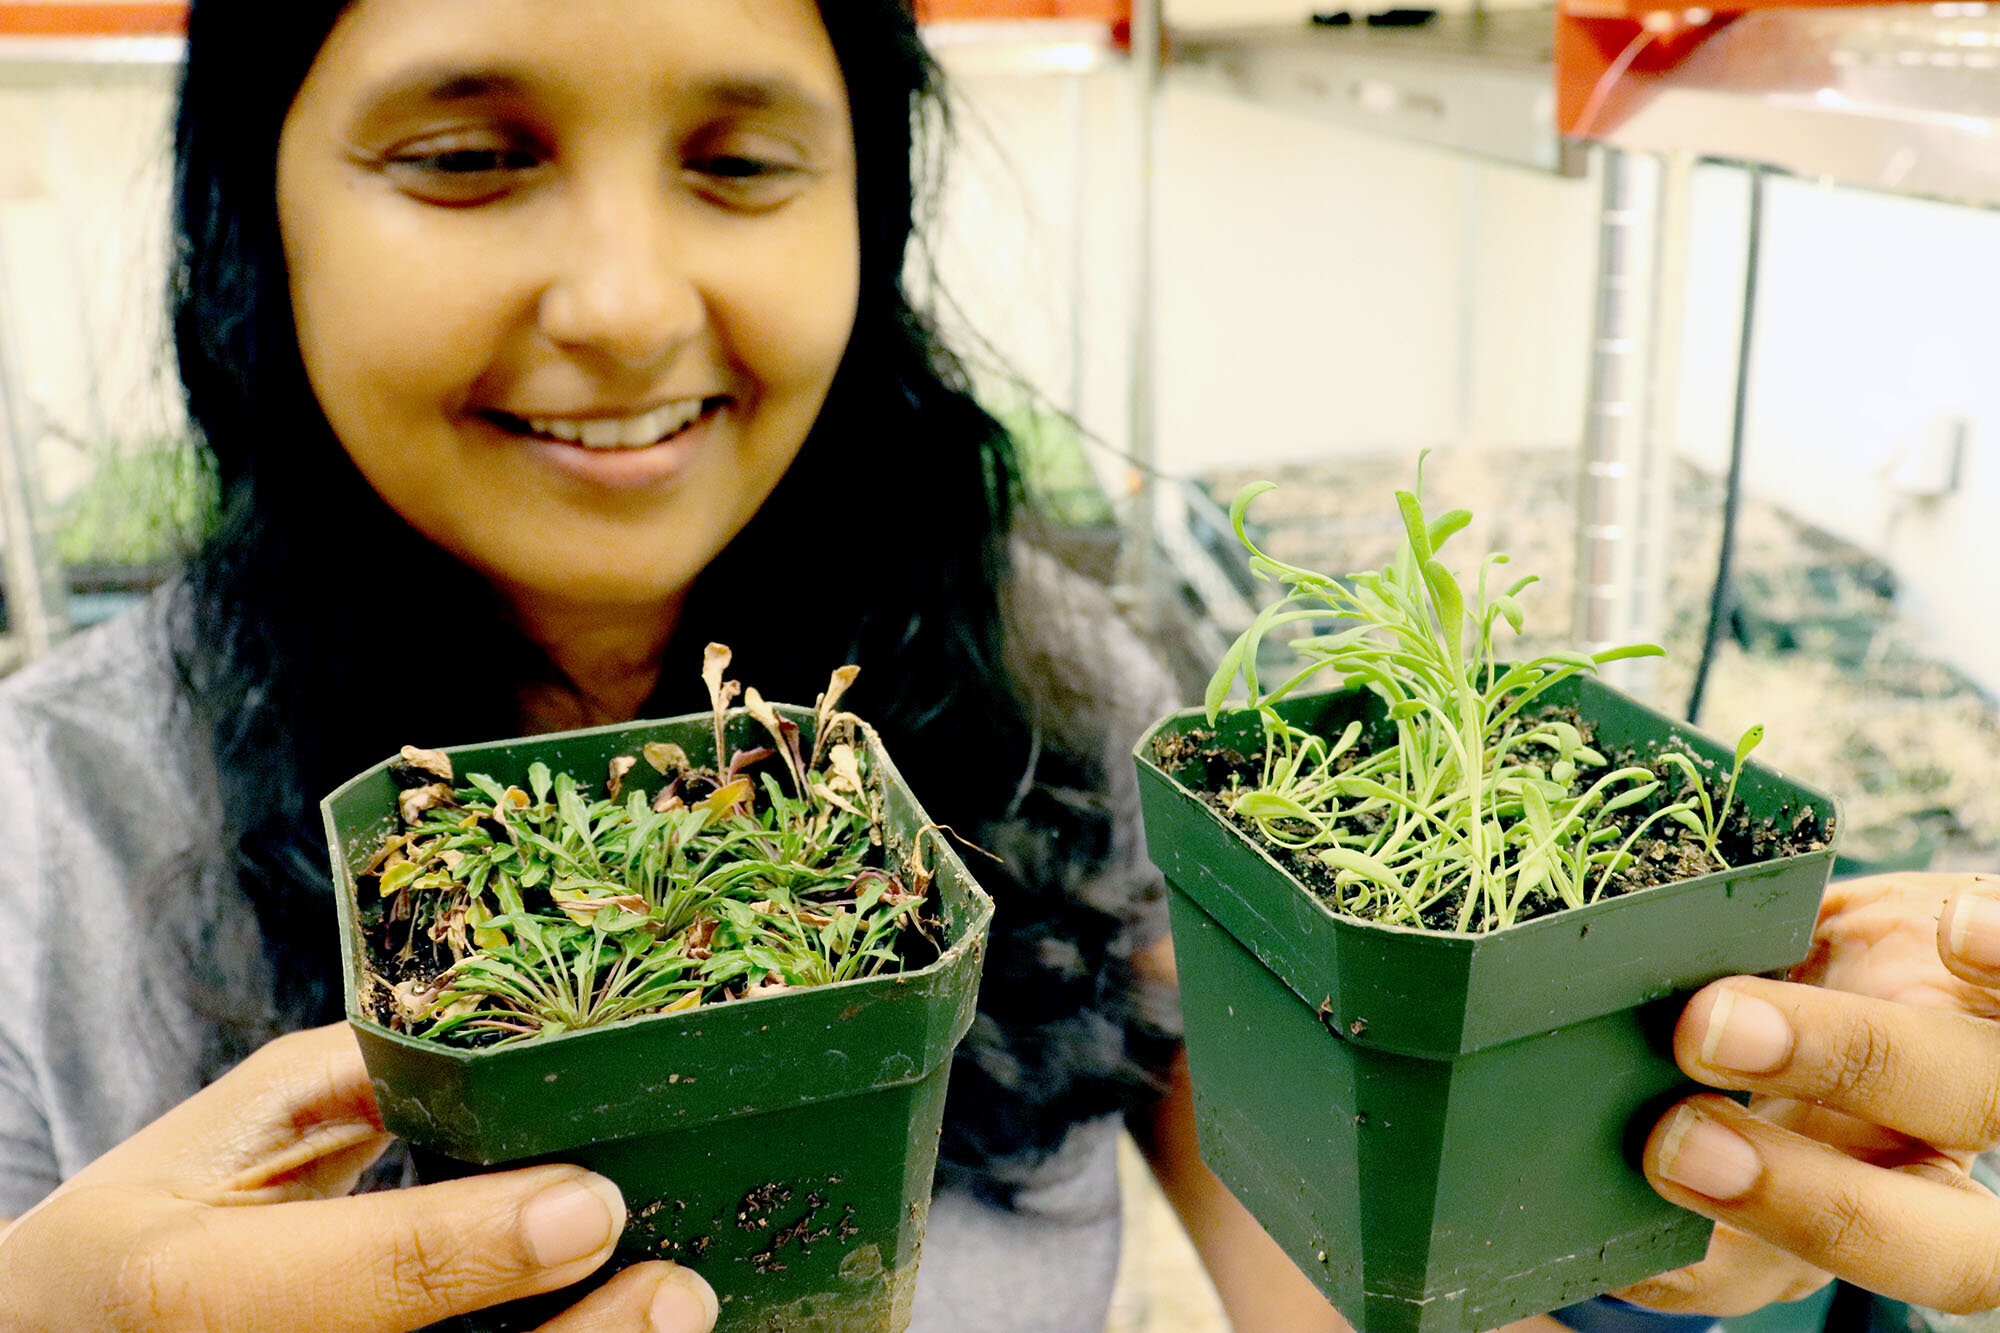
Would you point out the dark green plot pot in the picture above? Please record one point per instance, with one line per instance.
(1444, 1130)
(782, 1146)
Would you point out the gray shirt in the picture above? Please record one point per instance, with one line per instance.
(114, 892)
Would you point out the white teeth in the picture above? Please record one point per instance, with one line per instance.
(620, 432)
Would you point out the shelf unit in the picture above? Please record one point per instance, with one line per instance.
(1901, 98)
(43, 45)
(1898, 98)
(1481, 84)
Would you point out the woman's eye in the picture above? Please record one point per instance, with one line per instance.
(737, 168)
(461, 173)
(470, 161)
(751, 181)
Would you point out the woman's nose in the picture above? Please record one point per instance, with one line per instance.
(622, 288)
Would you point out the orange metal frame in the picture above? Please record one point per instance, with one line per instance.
(1103, 11)
(93, 18)
(126, 18)
(1592, 35)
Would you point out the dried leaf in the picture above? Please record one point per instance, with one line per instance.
(483, 935)
(742, 759)
(824, 714)
(668, 799)
(691, 1000)
(724, 797)
(846, 766)
(714, 661)
(836, 687)
(835, 799)
(754, 704)
(583, 909)
(665, 757)
(387, 854)
(785, 732)
(397, 877)
(721, 692)
(412, 999)
(620, 766)
(412, 803)
(698, 937)
(434, 762)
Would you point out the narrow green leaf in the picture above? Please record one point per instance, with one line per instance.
(1359, 863)
(1241, 504)
(1629, 797)
(1748, 742)
(1414, 527)
(1271, 805)
(1446, 525)
(1225, 676)
(1447, 598)
(1630, 650)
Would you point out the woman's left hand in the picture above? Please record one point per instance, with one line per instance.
(1876, 1074)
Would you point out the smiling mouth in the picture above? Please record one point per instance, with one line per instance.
(611, 433)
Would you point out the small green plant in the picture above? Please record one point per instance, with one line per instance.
(506, 913)
(1476, 803)
(1708, 818)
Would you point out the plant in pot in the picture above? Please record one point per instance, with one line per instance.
(1433, 929)
(726, 970)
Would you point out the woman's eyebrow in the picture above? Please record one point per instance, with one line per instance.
(765, 92)
(446, 83)
(422, 89)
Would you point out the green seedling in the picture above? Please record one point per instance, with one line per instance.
(1704, 817)
(1475, 803)
(511, 912)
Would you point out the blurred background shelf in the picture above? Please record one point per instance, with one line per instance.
(1897, 98)
(1479, 83)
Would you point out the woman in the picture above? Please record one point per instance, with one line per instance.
(537, 345)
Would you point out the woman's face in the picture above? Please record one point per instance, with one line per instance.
(572, 277)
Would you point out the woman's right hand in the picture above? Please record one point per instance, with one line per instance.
(232, 1212)
(1878, 1082)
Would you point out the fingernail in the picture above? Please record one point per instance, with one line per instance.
(1702, 1156)
(683, 1304)
(1745, 1034)
(1974, 934)
(573, 1220)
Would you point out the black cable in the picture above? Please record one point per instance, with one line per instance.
(1732, 491)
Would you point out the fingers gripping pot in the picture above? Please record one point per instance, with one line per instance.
(1443, 1130)
(782, 1145)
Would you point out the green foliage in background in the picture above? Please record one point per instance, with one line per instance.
(1055, 466)
(146, 506)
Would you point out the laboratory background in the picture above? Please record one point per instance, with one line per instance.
(1693, 308)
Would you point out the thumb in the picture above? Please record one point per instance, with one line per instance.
(371, 1263)
(1969, 934)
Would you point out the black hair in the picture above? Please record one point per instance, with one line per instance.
(886, 544)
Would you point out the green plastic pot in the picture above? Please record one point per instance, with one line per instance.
(781, 1146)
(1442, 1130)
